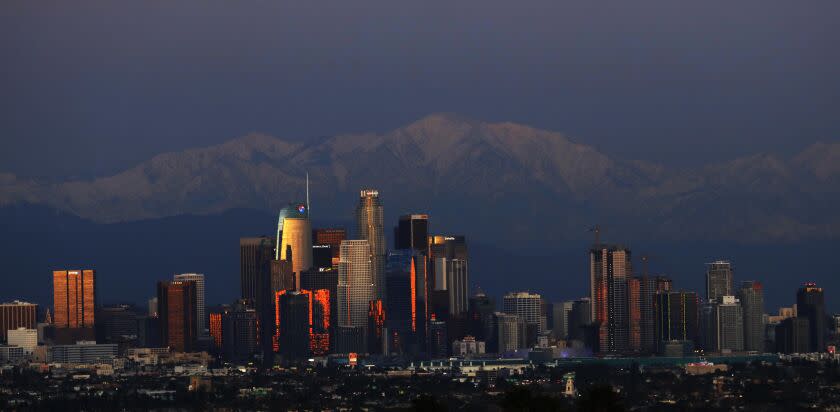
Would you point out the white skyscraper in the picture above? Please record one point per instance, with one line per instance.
(452, 275)
(198, 278)
(355, 283)
(523, 304)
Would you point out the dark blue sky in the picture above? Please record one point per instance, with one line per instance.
(89, 88)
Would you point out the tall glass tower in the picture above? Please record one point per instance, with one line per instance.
(355, 283)
(296, 235)
(370, 227)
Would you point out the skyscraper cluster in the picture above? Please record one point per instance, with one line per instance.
(312, 292)
(319, 291)
(642, 314)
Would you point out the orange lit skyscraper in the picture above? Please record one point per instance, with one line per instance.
(74, 298)
(377, 334)
(302, 322)
(216, 329)
(177, 308)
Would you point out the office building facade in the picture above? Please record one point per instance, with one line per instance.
(510, 330)
(239, 332)
(23, 337)
(331, 237)
(406, 299)
(255, 257)
(292, 316)
(200, 308)
(177, 306)
(412, 232)
(677, 317)
(355, 283)
(74, 298)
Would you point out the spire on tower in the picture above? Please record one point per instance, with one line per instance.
(309, 212)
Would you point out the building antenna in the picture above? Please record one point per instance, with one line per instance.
(597, 230)
(308, 212)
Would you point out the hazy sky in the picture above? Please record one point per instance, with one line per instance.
(93, 87)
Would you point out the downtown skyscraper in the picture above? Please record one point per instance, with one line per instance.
(677, 317)
(610, 268)
(255, 257)
(449, 275)
(177, 305)
(719, 281)
(810, 304)
(295, 238)
(355, 283)
(201, 328)
(412, 232)
(406, 299)
(370, 227)
(751, 296)
(74, 298)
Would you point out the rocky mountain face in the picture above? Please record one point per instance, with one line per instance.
(507, 181)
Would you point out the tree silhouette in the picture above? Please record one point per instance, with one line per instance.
(600, 398)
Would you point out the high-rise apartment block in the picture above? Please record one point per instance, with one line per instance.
(510, 331)
(609, 270)
(730, 326)
(751, 296)
(523, 304)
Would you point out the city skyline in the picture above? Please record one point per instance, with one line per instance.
(517, 206)
(615, 296)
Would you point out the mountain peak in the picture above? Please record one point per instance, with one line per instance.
(821, 158)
